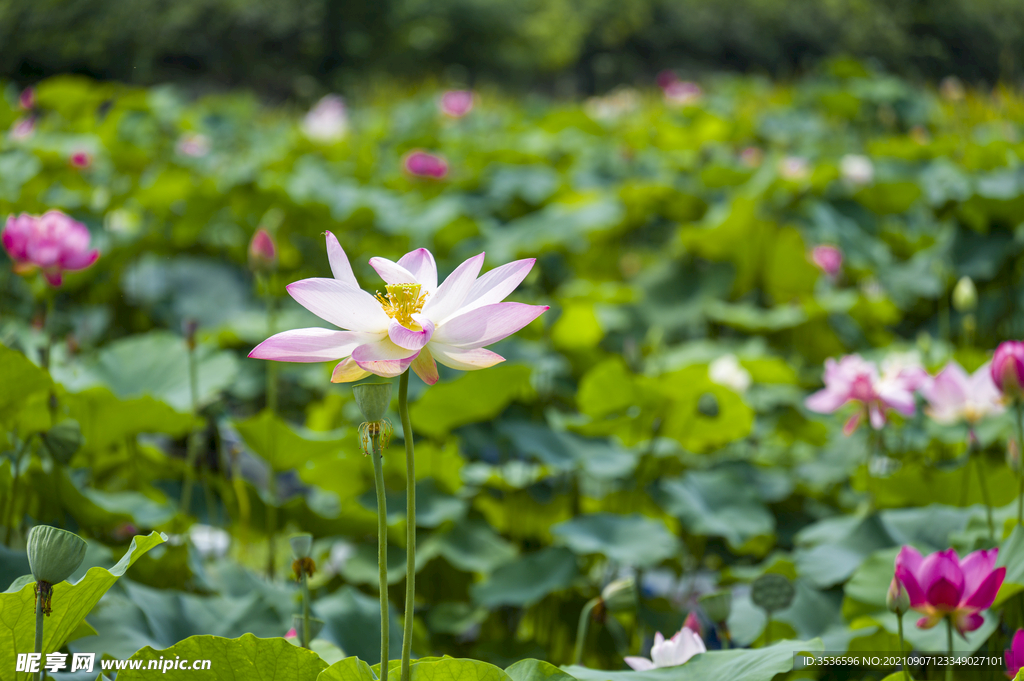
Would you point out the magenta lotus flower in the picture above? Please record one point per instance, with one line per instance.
(942, 585)
(666, 78)
(262, 251)
(854, 379)
(27, 99)
(456, 103)
(81, 159)
(669, 652)
(828, 259)
(955, 396)
(411, 325)
(1015, 655)
(423, 164)
(52, 243)
(1008, 369)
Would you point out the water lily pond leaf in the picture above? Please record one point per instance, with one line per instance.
(453, 669)
(473, 397)
(474, 547)
(528, 579)
(70, 604)
(349, 669)
(536, 670)
(18, 370)
(107, 419)
(352, 622)
(633, 540)
(759, 664)
(285, 447)
(248, 657)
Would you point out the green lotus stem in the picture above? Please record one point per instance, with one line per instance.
(39, 629)
(193, 440)
(410, 522)
(9, 520)
(272, 408)
(903, 653)
(305, 610)
(984, 488)
(949, 644)
(382, 555)
(581, 629)
(1020, 469)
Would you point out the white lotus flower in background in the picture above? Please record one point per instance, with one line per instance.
(727, 371)
(857, 169)
(669, 652)
(210, 542)
(327, 121)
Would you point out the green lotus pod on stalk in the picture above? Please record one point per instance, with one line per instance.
(63, 440)
(965, 295)
(620, 595)
(372, 399)
(772, 592)
(717, 606)
(54, 554)
(301, 544)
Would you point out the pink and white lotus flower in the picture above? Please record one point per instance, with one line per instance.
(414, 324)
(53, 243)
(669, 652)
(854, 379)
(956, 396)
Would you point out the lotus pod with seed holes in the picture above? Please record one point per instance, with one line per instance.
(315, 626)
(63, 440)
(301, 544)
(373, 399)
(718, 605)
(54, 554)
(772, 592)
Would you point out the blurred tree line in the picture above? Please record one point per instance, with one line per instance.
(585, 46)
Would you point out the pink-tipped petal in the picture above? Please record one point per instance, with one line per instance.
(983, 596)
(348, 371)
(640, 664)
(383, 358)
(488, 324)
(425, 367)
(340, 304)
(908, 564)
(976, 566)
(409, 339)
(422, 266)
(392, 272)
(496, 285)
(451, 294)
(826, 401)
(79, 260)
(929, 621)
(310, 345)
(852, 423)
(463, 359)
(341, 268)
(968, 622)
(942, 580)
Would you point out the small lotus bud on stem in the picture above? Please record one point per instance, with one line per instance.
(262, 252)
(897, 600)
(188, 329)
(965, 295)
(620, 595)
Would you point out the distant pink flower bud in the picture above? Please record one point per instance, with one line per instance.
(292, 633)
(81, 159)
(423, 164)
(751, 157)
(262, 251)
(23, 128)
(27, 99)
(53, 243)
(1008, 369)
(829, 259)
(692, 623)
(682, 92)
(457, 103)
(193, 144)
(665, 78)
(1015, 655)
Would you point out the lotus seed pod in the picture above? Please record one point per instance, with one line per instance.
(718, 605)
(54, 554)
(373, 399)
(301, 544)
(315, 626)
(63, 440)
(965, 295)
(772, 592)
(707, 405)
(620, 595)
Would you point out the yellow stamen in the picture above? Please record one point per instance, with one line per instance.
(403, 301)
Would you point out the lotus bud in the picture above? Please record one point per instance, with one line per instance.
(1008, 369)
(717, 606)
(188, 329)
(54, 554)
(692, 622)
(707, 405)
(897, 599)
(262, 252)
(315, 626)
(620, 595)
(772, 592)
(301, 544)
(63, 440)
(965, 295)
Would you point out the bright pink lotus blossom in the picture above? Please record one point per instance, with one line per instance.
(456, 103)
(1008, 369)
(828, 259)
(81, 159)
(1015, 655)
(423, 164)
(854, 379)
(52, 243)
(955, 396)
(27, 99)
(262, 251)
(942, 585)
(669, 652)
(411, 325)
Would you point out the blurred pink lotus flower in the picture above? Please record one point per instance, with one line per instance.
(751, 157)
(1008, 369)
(262, 251)
(669, 652)
(53, 243)
(327, 121)
(682, 92)
(955, 396)
(193, 144)
(942, 585)
(23, 128)
(794, 168)
(415, 323)
(81, 159)
(854, 379)
(292, 633)
(456, 103)
(423, 164)
(666, 78)
(1015, 655)
(905, 368)
(27, 99)
(828, 259)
